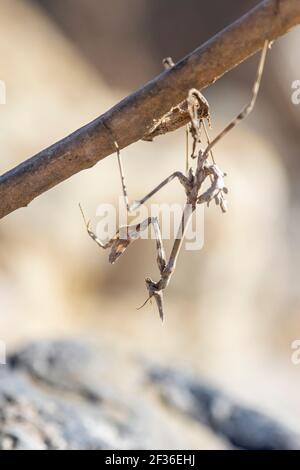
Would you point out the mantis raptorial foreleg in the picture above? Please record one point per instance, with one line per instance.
(126, 235)
(155, 289)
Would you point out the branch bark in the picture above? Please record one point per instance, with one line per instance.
(129, 120)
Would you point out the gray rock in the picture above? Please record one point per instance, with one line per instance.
(75, 395)
(242, 426)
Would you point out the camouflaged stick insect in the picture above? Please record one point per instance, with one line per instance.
(192, 183)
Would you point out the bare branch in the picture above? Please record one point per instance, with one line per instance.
(131, 119)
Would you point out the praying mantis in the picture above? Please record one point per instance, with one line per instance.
(194, 110)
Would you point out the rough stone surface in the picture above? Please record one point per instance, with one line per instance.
(242, 426)
(73, 395)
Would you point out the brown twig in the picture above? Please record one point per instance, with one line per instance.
(130, 119)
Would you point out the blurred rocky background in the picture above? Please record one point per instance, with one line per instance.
(90, 395)
(233, 307)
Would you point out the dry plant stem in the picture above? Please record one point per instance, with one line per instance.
(130, 119)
